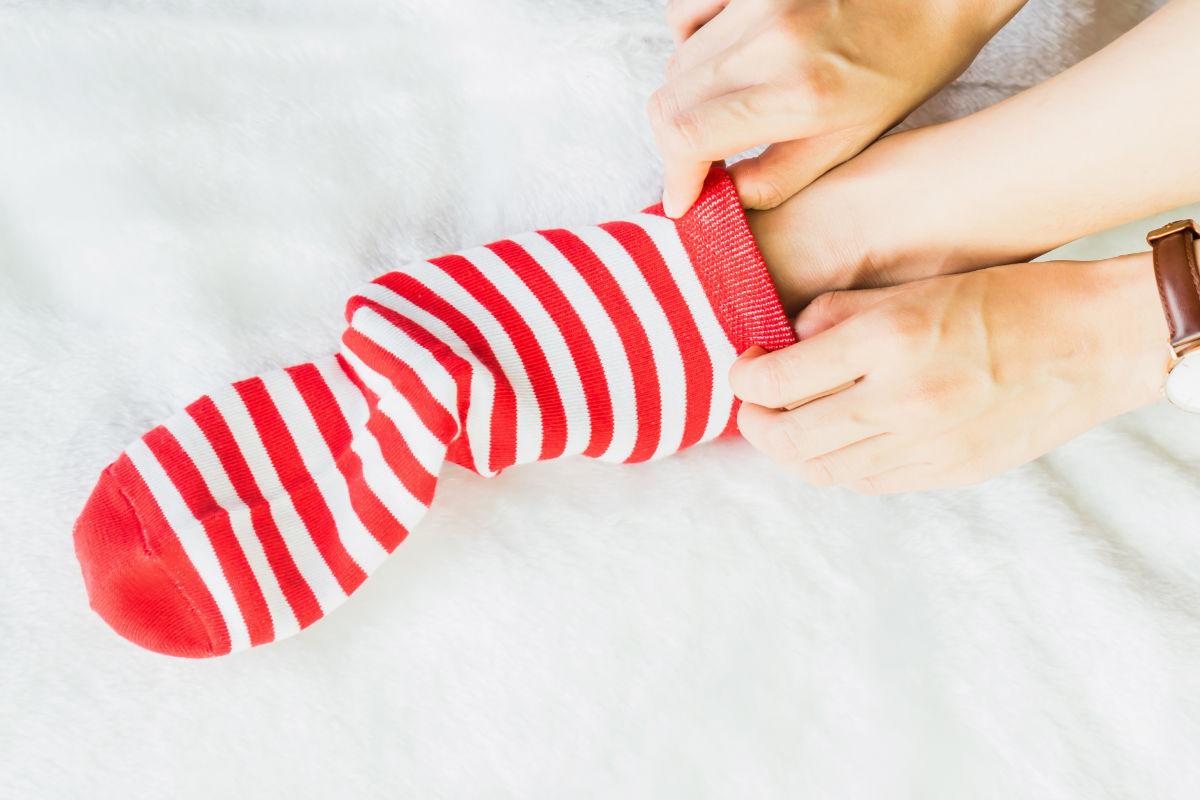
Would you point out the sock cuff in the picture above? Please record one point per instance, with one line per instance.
(730, 268)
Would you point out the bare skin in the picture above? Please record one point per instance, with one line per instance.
(1109, 140)
(818, 80)
(957, 378)
(964, 369)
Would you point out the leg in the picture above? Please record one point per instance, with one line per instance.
(261, 507)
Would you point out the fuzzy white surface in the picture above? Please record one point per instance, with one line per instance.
(187, 192)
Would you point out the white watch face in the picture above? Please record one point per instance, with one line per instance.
(1183, 382)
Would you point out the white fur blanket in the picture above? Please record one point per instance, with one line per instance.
(187, 192)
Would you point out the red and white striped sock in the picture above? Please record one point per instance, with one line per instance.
(260, 507)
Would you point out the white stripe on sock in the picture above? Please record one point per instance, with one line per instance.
(424, 444)
(549, 338)
(196, 445)
(483, 383)
(668, 361)
(314, 452)
(615, 360)
(434, 376)
(390, 490)
(528, 412)
(308, 559)
(193, 538)
(716, 342)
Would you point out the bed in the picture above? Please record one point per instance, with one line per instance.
(187, 191)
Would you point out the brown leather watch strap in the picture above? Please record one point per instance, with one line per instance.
(1178, 279)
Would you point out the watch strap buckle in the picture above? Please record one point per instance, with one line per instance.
(1178, 226)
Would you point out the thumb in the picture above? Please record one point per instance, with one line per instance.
(833, 308)
(783, 169)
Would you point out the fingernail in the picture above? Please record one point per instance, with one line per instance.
(669, 205)
(753, 351)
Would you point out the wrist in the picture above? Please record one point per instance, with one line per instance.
(1050, 165)
(1127, 316)
(934, 205)
(911, 223)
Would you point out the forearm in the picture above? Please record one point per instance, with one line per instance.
(1112, 139)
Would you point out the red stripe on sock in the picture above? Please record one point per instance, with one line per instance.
(455, 365)
(583, 350)
(166, 548)
(731, 426)
(504, 406)
(406, 381)
(646, 390)
(529, 349)
(186, 478)
(396, 452)
(337, 435)
(299, 483)
(295, 589)
(697, 363)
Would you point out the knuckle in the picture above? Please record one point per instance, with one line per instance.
(824, 304)
(925, 400)
(773, 382)
(930, 391)
(900, 323)
(683, 133)
(795, 97)
(719, 69)
(744, 107)
(781, 444)
(819, 472)
(791, 26)
(673, 66)
(870, 485)
(818, 80)
(656, 108)
(770, 193)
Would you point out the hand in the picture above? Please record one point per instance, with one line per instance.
(957, 378)
(818, 79)
(1004, 184)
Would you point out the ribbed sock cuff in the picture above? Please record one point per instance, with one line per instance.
(730, 267)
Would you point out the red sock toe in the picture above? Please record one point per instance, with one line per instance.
(133, 581)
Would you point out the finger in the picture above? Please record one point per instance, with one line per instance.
(854, 462)
(820, 427)
(811, 367)
(906, 478)
(832, 308)
(717, 35)
(783, 169)
(956, 457)
(682, 184)
(683, 174)
(718, 128)
(973, 452)
(732, 122)
(685, 17)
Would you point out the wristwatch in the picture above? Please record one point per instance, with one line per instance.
(1179, 289)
